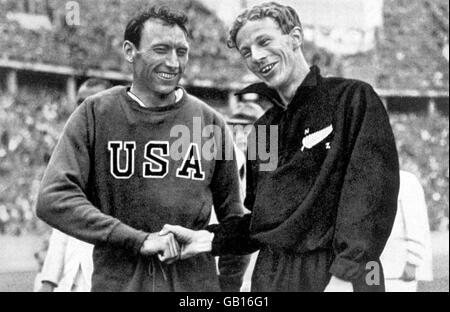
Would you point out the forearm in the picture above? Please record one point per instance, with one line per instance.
(73, 214)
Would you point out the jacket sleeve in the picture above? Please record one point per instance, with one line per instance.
(53, 267)
(226, 190)
(63, 201)
(368, 201)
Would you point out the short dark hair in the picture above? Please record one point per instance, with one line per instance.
(170, 17)
(283, 15)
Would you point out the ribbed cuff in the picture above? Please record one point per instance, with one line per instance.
(127, 237)
(218, 240)
(346, 269)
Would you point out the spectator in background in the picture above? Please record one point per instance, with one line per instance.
(237, 265)
(407, 257)
(67, 266)
(245, 114)
(4, 218)
(91, 87)
(68, 261)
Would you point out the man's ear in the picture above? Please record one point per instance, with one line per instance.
(129, 50)
(296, 35)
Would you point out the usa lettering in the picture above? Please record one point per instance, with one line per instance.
(157, 167)
(156, 164)
(116, 147)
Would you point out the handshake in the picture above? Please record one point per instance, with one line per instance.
(175, 242)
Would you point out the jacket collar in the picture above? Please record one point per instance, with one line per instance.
(311, 80)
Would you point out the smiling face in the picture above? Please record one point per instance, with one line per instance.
(269, 53)
(161, 58)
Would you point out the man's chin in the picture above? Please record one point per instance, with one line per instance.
(272, 83)
(166, 90)
(269, 81)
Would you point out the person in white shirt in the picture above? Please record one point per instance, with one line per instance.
(68, 265)
(407, 257)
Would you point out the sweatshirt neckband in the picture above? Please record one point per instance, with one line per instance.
(137, 104)
(178, 96)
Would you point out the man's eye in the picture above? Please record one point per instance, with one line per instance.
(181, 52)
(160, 50)
(265, 42)
(246, 54)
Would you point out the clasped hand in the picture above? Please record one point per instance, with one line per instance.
(176, 243)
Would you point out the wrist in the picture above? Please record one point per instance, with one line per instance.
(149, 246)
(205, 241)
(141, 248)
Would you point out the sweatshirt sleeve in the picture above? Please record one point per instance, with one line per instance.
(368, 200)
(63, 201)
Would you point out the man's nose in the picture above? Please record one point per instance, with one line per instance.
(258, 54)
(172, 60)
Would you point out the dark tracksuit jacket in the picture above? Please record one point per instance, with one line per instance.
(105, 186)
(329, 206)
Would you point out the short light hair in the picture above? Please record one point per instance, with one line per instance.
(285, 16)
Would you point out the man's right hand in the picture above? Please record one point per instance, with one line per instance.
(193, 242)
(165, 246)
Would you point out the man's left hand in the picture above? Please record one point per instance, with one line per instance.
(338, 285)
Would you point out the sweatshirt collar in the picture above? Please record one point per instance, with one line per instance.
(178, 96)
(139, 106)
(311, 80)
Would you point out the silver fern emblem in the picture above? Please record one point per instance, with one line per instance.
(315, 138)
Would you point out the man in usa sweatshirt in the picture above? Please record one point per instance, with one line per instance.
(113, 180)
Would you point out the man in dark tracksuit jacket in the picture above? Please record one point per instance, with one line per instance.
(322, 217)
